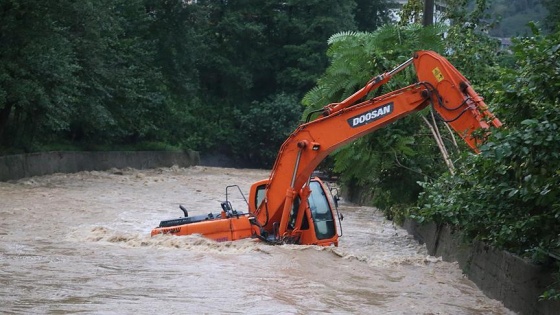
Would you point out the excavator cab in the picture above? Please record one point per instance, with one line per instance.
(318, 225)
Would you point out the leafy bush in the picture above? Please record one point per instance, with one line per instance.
(391, 160)
(509, 195)
(263, 128)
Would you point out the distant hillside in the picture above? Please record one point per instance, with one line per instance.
(513, 16)
(510, 16)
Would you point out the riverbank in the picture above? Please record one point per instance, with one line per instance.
(18, 166)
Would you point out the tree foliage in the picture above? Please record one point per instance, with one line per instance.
(266, 122)
(260, 50)
(552, 19)
(38, 68)
(80, 69)
(371, 14)
(390, 160)
(189, 74)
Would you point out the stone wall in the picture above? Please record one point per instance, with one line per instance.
(516, 282)
(44, 163)
(500, 275)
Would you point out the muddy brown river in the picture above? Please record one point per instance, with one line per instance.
(79, 243)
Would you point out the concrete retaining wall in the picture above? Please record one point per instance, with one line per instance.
(44, 163)
(499, 274)
(515, 282)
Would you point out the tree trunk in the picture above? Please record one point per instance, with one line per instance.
(428, 18)
(4, 117)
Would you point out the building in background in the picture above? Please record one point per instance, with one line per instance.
(397, 5)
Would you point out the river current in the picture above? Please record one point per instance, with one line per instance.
(80, 243)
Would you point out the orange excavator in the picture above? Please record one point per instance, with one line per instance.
(291, 206)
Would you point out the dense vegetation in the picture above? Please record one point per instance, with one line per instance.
(205, 76)
(228, 77)
(508, 196)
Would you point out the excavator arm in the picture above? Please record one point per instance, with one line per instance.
(439, 83)
(289, 206)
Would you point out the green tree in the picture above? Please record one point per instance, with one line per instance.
(117, 79)
(411, 11)
(552, 20)
(264, 128)
(113, 72)
(177, 31)
(404, 153)
(254, 44)
(77, 70)
(258, 50)
(305, 28)
(37, 71)
(371, 14)
(391, 160)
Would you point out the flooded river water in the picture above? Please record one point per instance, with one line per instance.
(79, 243)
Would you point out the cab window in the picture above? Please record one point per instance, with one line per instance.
(259, 196)
(321, 212)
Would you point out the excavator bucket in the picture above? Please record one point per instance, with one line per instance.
(455, 100)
